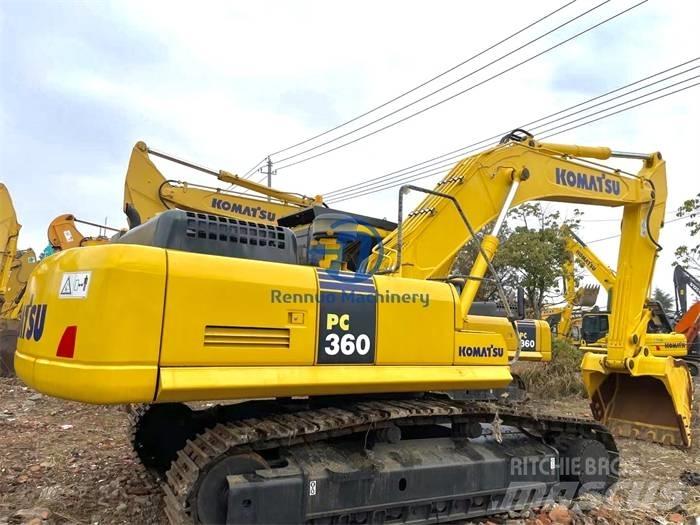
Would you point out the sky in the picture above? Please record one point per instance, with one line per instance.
(227, 83)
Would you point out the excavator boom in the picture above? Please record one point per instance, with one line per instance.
(521, 170)
(15, 268)
(147, 192)
(9, 231)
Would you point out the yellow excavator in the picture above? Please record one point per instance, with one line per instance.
(9, 232)
(15, 267)
(594, 325)
(344, 379)
(564, 323)
(63, 233)
(565, 320)
(147, 192)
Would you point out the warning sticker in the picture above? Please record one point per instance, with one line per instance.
(68, 235)
(74, 285)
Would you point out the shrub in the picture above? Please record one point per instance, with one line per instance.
(559, 378)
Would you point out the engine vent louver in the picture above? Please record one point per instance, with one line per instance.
(246, 338)
(224, 229)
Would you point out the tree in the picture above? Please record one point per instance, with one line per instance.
(531, 255)
(664, 298)
(688, 254)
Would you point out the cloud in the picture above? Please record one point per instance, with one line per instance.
(313, 108)
(228, 84)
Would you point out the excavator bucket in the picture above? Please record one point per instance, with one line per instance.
(587, 295)
(650, 400)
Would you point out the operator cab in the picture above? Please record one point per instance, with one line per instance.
(336, 239)
(595, 325)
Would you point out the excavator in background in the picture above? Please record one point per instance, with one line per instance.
(688, 319)
(64, 234)
(328, 363)
(15, 267)
(147, 192)
(593, 325)
(565, 320)
(9, 232)
(568, 326)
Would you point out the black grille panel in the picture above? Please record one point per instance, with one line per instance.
(215, 235)
(223, 229)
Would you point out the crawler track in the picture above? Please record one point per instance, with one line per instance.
(313, 425)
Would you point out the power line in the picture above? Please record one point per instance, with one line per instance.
(623, 110)
(255, 168)
(460, 152)
(460, 79)
(668, 214)
(529, 59)
(436, 77)
(620, 104)
(618, 235)
(383, 185)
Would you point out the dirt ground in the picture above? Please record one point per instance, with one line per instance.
(63, 462)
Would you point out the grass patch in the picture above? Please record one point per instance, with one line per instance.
(561, 377)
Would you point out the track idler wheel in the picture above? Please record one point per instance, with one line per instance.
(209, 499)
(587, 463)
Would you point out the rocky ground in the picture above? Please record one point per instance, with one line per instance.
(63, 462)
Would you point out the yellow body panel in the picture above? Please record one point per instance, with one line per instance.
(408, 331)
(191, 383)
(232, 295)
(150, 341)
(117, 339)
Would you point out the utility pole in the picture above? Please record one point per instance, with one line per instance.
(269, 173)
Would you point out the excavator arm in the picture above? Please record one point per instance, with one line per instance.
(682, 279)
(9, 231)
(580, 250)
(633, 391)
(687, 319)
(570, 295)
(586, 296)
(147, 192)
